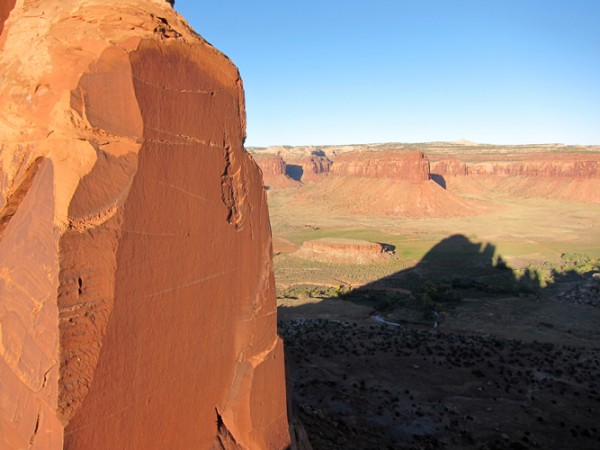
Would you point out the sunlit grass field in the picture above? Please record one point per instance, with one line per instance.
(522, 231)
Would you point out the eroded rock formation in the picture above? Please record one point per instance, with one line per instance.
(273, 171)
(315, 167)
(386, 183)
(340, 250)
(137, 306)
(407, 166)
(572, 176)
(537, 165)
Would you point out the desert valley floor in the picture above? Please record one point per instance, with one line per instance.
(465, 317)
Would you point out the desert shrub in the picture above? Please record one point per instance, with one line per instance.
(439, 292)
(578, 263)
(342, 290)
(434, 298)
(310, 291)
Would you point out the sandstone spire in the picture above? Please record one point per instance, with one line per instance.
(137, 306)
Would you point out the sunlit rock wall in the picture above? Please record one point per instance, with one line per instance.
(137, 306)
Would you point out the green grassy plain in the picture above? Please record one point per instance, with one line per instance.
(522, 231)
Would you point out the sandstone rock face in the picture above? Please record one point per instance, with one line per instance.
(572, 176)
(449, 167)
(315, 167)
(407, 166)
(273, 170)
(5, 8)
(350, 251)
(137, 306)
(386, 183)
(538, 165)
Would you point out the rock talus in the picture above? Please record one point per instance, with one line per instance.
(137, 306)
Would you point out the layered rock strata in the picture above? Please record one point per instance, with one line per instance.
(537, 165)
(571, 176)
(340, 250)
(137, 305)
(274, 173)
(315, 167)
(406, 166)
(389, 183)
(5, 8)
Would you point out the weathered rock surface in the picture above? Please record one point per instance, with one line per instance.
(137, 306)
(406, 166)
(350, 251)
(5, 8)
(315, 167)
(389, 183)
(273, 170)
(573, 176)
(537, 165)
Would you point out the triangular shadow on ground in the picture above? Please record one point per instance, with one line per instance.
(454, 268)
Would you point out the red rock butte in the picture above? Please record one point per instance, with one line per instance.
(342, 250)
(273, 171)
(406, 166)
(569, 176)
(387, 183)
(137, 306)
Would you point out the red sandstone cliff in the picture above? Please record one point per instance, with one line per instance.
(537, 165)
(407, 166)
(5, 8)
(315, 167)
(273, 171)
(387, 183)
(574, 176)
(335, 250)
(137, 303)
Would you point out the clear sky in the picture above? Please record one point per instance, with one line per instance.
(342, 72)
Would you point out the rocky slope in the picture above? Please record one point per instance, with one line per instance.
(395, 184)
(137, 303)
(538, 171)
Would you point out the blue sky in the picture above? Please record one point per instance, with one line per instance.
(343, 72)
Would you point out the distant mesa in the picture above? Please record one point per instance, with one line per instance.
(280, 173)
(438, 179)
(274, 171)
(316, 166)
(465, 142)
(567, 176)
(350, 251)
(407, 166)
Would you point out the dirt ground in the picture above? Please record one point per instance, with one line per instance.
(360, 384)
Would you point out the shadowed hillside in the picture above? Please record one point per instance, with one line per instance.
(458, 352)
